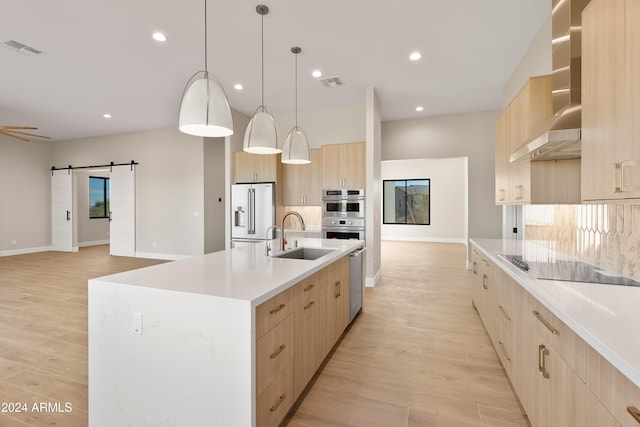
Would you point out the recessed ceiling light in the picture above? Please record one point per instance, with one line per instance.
(106, 116)
(158, 36)
(419, 108)
(415, 56)
(238, 86)
(317, 73)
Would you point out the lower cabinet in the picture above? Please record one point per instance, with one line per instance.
(558, 378)
(295, 330)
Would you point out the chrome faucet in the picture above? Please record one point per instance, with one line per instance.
(271, 227)
(302, 226)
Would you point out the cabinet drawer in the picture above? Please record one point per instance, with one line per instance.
(616, 392)
(565, 342)
(274, 353)
(273, 311)
(307, 290)
(275, 401)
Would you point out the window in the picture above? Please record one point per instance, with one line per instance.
(98, 197)
(406, 201)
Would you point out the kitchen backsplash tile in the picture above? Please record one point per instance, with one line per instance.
(312, 216)
(607, 235)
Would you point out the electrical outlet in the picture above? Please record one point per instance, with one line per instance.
(136, 325)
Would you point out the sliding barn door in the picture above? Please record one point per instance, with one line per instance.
(123, 211)
(61, 210)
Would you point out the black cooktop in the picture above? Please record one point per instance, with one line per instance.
(569, 271)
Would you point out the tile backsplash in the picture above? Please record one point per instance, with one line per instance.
(607, 235)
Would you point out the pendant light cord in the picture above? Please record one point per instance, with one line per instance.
(262, 64)
(296, 90)
(206, 64)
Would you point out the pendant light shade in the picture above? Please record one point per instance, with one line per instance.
(296, 146)
(261, 136)
(204, 109)
(262, 133)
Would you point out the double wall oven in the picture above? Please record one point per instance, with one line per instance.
(343, 214)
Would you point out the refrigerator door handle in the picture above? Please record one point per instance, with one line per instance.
(252, 211)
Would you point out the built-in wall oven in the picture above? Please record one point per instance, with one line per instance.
(343, 214)
(343, 203)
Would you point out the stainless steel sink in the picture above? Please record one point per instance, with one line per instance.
(303, 253)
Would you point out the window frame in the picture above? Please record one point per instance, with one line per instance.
(406, 181)
(105, 200)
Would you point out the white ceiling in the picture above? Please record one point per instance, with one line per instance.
(99, 57)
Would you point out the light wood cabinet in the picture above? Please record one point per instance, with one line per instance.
(274, 359)
(611, 100)
(484, 290)
(343, 165)
(309, 296)
(524, 181)
(503, 151)
(302, 183)
(249, 167)
(295, 330)
(619, 396)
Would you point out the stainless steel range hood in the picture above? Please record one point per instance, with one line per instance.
(560, 138)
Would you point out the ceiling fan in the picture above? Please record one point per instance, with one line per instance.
(18, 132)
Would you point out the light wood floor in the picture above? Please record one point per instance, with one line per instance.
(417, 356)
(43, 332)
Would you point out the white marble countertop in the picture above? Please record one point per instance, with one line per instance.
(607, 317)
(243, 273)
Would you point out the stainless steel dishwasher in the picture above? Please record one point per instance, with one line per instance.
(356, 281)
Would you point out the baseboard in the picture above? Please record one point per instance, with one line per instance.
(370, 282)
(167, 257)
(424, 239)
(94, 243)
(24, 251)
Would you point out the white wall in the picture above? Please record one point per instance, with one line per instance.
(25, 191)
(469, 135)
(536, 61)
(373, 188)
(169, 185)
(336, 125)
(214, 194)
(448, 197)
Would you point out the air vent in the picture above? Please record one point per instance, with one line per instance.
(332, 81)
(22, 48)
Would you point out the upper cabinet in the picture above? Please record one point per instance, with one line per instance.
(611, 100)
(248, 167)
(343, 165)
(302, 184)
(524, 181)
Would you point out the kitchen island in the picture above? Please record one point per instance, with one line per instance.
(179, 343)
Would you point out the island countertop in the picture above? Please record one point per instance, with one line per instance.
(605, 316)
(244, 273)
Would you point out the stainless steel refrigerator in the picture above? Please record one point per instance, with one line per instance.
(253, 211)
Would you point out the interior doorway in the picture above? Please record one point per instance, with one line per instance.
(94, 206)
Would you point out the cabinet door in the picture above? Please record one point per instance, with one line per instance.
(243, 167)
(629, 152)
(307, 325)
(302, 183)
(332, 166)
(567, 393)
(313, 185)
(249, 167)
(294, 177)
(354, 165)
(503, 151)
(603, 81)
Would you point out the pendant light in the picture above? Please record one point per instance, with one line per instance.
(296, 146)
(261, 136)
(204, 109)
